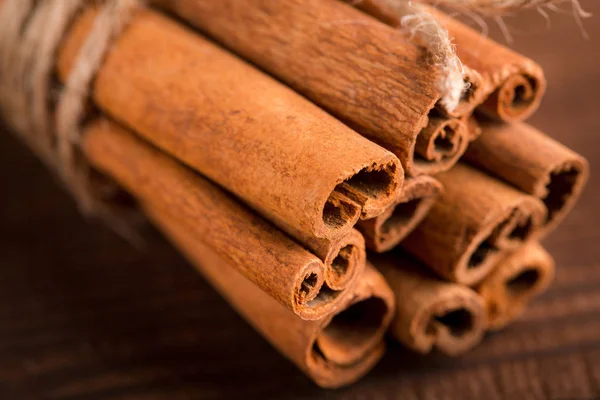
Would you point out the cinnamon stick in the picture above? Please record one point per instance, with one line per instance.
(431, 313)
(475, 221)
(511, 85)
(356, 67)
(514, 282)
(238, 127)
(385, 231)
(533, 162)
(264, 255)
(333, 351)
(440, 145)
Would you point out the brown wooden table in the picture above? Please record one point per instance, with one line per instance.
(83, 315)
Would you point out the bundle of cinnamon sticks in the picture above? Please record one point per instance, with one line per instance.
(297, 152)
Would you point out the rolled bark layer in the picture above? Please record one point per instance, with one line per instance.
(514, 282)
(239, 127)
(356, 67)
(344, 258)
(440, 145)
(507, 86)
(333, 351)
(387, 230)
(474, 223)
(267, 257)
(533, 162)
(431, 313)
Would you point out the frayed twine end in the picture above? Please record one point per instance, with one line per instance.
(425, 30)
(452, 86)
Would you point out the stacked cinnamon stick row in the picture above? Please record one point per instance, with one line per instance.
(264, 177)
(479, 223)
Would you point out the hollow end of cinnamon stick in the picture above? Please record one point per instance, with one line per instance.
(561, 190)
(479, 257)
(344, 260)
(514, 282)
(386, 231)
(516, 99)
(310, 290)
(371, 190)
(353, 332)
(453, 324)
(340, 213)
(431, 313)
(353, 336)
(522, 223)
(440, 145)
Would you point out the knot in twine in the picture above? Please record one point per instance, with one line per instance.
(30, 34)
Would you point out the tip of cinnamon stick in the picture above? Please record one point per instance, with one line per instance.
(516, 99)
(416, 199)
(562, 189)
(352, 332)
(440, 145)
(371, 190)
(453, 325)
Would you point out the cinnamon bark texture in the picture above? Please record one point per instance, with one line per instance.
(533, 162)
(511, 85)
(239, 127)
(476, 220)
(386, 231)
(474, 128)
(431, 313)
(356, 67)
(333, 351)
(514, 282)
(267, 257)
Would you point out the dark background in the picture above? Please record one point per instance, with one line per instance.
(83, 315)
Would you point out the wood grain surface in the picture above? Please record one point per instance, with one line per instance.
(83, 315)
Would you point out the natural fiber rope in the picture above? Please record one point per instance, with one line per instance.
(71, 105)
(501, 7)
(30, 33)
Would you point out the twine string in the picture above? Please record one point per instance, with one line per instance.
(30, 35)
